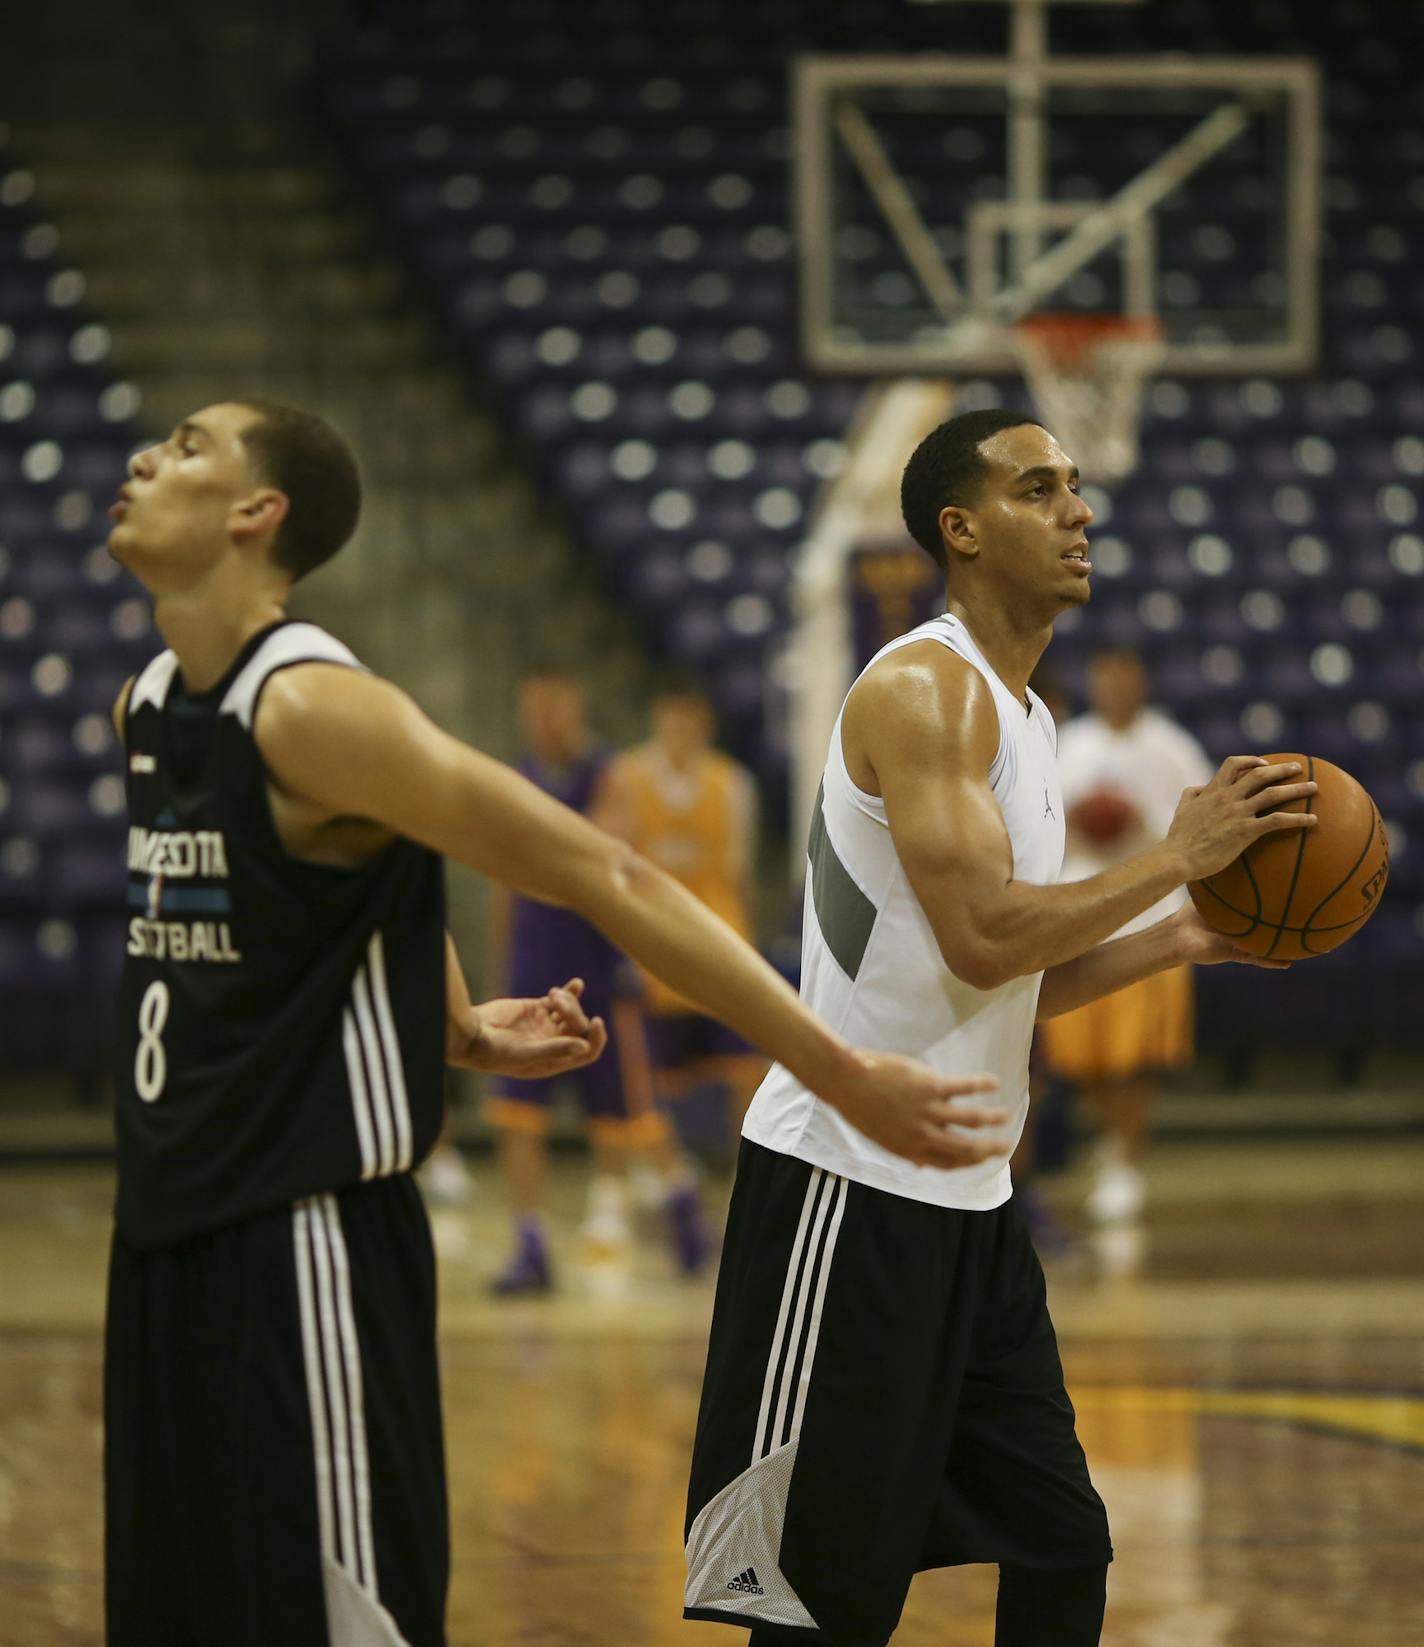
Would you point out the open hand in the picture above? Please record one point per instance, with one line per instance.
(913, 1112)
(527, 1038)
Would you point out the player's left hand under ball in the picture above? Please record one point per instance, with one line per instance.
(1198, 945)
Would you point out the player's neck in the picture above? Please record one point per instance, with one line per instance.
(208, 626)
(1011, 647)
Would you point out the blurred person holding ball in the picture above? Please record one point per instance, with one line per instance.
(1124, 765)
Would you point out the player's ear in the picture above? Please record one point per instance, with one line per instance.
(261, 511)
(956, 527)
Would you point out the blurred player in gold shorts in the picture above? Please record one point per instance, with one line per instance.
(1124, 766)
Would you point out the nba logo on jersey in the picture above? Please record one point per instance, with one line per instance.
(155, 896)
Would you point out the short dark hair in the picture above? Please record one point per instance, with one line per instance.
(304, 458)
(947, 467)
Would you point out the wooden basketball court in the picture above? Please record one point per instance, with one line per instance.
(1250, 1388)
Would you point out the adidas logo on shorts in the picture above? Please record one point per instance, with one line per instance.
(746, 1583)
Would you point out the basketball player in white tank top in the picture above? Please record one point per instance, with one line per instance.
(883, 1391)
(900, 993)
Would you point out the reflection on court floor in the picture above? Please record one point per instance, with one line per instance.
(1252, 1406)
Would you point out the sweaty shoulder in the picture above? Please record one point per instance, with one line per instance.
(922, 703)
(340, 742)
(323, 714)
(313, 688)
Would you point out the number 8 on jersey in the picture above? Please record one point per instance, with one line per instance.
(150, 1061)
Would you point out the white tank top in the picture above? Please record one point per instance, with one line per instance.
(870, 966)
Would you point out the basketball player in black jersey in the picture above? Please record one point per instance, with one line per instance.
(273, 1459)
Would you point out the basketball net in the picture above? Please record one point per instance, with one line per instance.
(1087, 374)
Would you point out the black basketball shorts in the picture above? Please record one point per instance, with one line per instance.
(883, 1395)
(274, 1466)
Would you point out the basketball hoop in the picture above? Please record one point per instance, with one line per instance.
(1087, 373)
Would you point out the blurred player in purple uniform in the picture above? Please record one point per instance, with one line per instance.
(617, 1091)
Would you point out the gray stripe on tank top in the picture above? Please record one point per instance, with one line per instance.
(843, 912)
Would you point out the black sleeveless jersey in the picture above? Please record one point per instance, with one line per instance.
(281, 1024)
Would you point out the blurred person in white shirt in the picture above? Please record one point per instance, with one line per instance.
(1124, 766)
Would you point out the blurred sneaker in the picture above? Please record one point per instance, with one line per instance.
(1117, 1195)
(445, 1180)
(647, 1187)
(529, 1269)
(604, 1234)
(690, 1240)
(604, 1238)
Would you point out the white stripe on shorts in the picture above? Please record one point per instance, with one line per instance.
(332, 1360)
(802, 1299)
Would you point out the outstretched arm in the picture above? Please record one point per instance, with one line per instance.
(921, 730)
(355, 746)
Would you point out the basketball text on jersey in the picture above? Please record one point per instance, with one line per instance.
(179, 855)
(182, 940)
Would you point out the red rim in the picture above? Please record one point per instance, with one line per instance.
(1068, 336)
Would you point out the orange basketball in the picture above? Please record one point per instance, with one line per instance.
(1297, 894)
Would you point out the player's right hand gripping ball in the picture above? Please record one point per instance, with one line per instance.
(1300, 893)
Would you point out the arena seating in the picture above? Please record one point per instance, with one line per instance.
(72, 628)
(596, 195)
